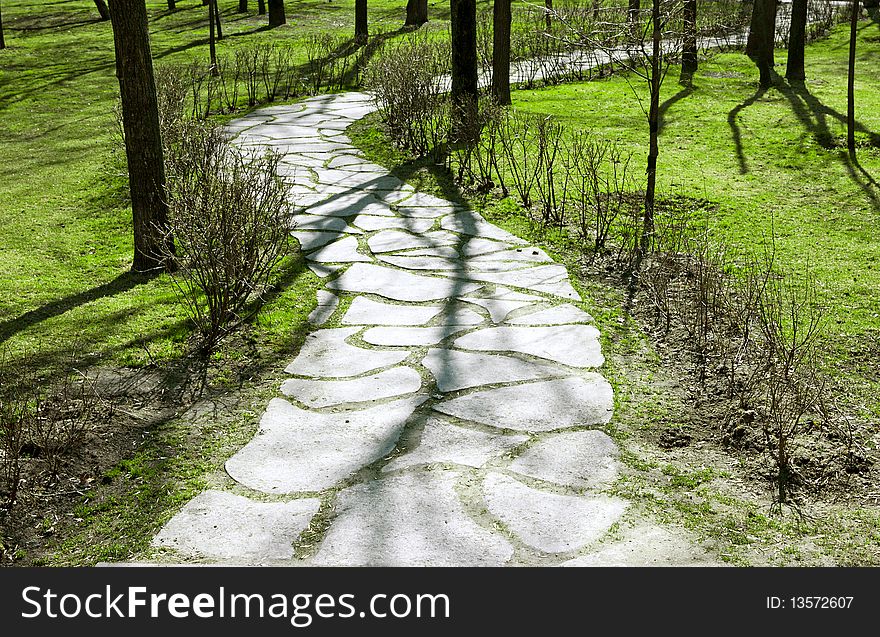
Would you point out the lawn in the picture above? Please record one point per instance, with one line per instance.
(773, 161)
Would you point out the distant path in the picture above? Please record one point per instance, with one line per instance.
(447, 410)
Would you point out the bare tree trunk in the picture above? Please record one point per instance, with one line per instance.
(635, 7)
(501, 18)
(172, 5)
(102, 9)
(653, 132)
(212, 44)
(242, 6)
(277, 16)
(143, 139)
(465, 92)
(689, 43)
(797, 35)
(416, 13)
(548, 19)
(361, 29)
(217, 19)
(261, 7)
(850, 83)
(2, 39)
(762, 38)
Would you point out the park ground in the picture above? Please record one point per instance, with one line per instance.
(770, 162)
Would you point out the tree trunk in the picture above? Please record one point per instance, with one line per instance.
(212, 44)
(635, 7)
(217, 20)
(416, 13)
(277, 16)
(465, 92)
(102, 9)
(172, 5)
(850, 83)
(501, 18)
(261, 7)
(653, 132)
(242, 6)
(689, 42)
(143, 139)
(2, 39)
(762, 37)
(361, 30)
(797, 35)
(548, 19)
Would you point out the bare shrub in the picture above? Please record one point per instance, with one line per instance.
(408, 81)
(230, 220)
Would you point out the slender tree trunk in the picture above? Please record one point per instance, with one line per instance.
(501, 18)
(797, 35)
(2, 39)
(465, 92)
(261, 7)
(653, 132)
(217, 19)
(102, 9)
(689, 43)
(212, 44)
(850, 83)
(762, 38)
(277, 16)
(635, 7)
(416, 13)
(548, 19)
(172, 5)
(242, 6)
(361, 29)
(143, 139)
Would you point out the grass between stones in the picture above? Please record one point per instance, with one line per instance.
(796, 182)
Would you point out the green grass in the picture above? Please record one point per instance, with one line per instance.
(65, 220)
(775, 163)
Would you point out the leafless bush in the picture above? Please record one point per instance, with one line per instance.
(408, 80)
(43, 418)
(230, 220)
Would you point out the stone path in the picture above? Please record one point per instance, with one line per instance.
(447, 409)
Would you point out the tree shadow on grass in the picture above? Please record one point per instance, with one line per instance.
(687, 89)
(735, 131)
(122, 283)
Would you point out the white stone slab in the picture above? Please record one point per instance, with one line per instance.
(408, 520)
(364, 311)
(422, 262)
(323, 222)
(575, 345)
(447, 252)
(224, 526)
(498, 308)
(558, 315)
(547, 521)
(580, 459)
(342, 251)
(325, 354)
(373, 222)
(309, 240)
(552, 279)
(477, 246)
(396, 381)
(394, 240)
(528, 254)
(327, 303)
(304, 451)
(441, 442)
(411, 336)
(537, 406)
(397, 284)
(428, 212)
(472, 223)
(454, 370)
(647, 545)
(323, 270)
(350, 204)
